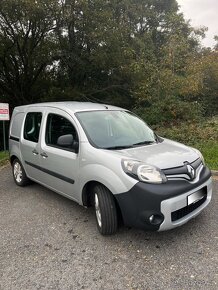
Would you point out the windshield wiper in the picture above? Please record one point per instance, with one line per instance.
(144, 143)
(129, 146)
(118, 147)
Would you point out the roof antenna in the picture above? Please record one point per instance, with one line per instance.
(106, 107)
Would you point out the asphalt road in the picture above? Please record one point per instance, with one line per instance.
(49, 242)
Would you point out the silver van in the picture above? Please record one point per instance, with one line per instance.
(106, 157)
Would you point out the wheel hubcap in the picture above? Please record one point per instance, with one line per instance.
(97, 210)
(18, 172)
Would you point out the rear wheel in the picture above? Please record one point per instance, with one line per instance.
(19, 173)
(105, 210)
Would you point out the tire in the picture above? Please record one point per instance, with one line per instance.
(19, 173)
(105, 210)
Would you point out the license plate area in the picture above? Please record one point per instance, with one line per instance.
(196, 196)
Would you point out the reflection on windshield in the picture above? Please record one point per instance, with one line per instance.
(115, 129)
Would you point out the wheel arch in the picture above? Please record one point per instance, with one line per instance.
(12, 158)
(87, 192)
(87, 197)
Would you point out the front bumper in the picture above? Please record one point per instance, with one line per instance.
(161, 200)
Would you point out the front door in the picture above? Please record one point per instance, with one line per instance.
(59, 163)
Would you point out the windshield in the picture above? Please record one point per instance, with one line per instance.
(115, 129)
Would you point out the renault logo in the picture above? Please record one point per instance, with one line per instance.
(191, 171)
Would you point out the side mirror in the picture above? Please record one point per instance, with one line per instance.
(65, 140)
(68, 141)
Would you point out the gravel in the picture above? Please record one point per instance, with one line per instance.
(50, 242)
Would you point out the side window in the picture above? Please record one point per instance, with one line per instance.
(32, 126)
(58, 126)
(16, 124)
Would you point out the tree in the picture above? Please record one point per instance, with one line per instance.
(26, 47)
(208, 96)
(139, 54)
(170, 77)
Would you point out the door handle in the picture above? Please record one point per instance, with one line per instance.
(44, 155)
(35, 152)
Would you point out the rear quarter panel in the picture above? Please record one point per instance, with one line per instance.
(17, 120)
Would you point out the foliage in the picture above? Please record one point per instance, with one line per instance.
(209, 93)
(26, 48)
(4, 156)
(202, 135)
(169, 110)
(139, 54)
(209, 150)
(191, 132)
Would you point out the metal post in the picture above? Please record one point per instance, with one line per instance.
(4, 136)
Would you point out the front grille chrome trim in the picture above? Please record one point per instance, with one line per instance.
(184, 176)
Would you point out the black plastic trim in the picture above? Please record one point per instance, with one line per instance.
(14, 138)
(180, 213)
(144, 199)
(182, 169)
(52, 173)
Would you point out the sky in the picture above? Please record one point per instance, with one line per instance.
(202, 13)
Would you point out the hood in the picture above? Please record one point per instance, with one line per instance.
(166, 154)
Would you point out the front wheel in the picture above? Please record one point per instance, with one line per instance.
(19, 173)
(105, 210)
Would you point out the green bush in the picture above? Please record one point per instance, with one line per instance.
(201, 135)
(169, 110)
(191, 132)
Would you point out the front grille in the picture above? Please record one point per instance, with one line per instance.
(182, 172)
(180, 213)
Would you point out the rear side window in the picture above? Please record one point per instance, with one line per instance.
(58, 126)
(16, 124)
(32, 126)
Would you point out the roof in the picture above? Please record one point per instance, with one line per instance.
(73, 106)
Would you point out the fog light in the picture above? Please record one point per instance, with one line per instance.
(151, 218)
(156, 219)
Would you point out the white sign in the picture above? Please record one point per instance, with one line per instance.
(4, 112)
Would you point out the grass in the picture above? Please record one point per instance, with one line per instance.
(3, 157)
(210, 152)
(201, 135)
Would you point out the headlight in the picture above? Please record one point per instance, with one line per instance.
(199, 154)
(144, 172)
